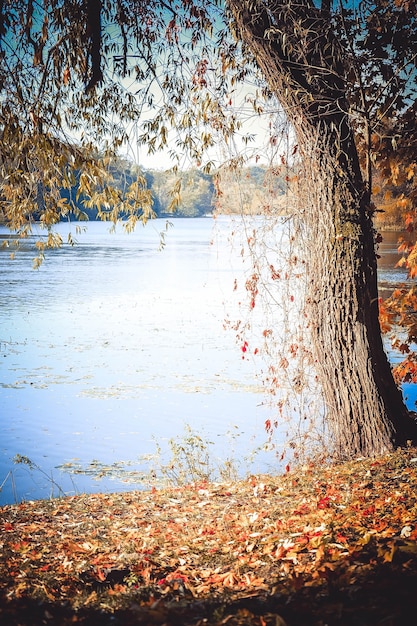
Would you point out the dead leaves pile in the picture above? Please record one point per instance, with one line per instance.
(311, 543)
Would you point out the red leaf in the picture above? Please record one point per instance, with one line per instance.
(324, 503)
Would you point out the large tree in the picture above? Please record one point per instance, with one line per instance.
(306, 66)
(339, 75)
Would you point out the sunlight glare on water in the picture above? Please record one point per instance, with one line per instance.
(115, 344)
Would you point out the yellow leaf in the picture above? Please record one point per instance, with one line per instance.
(387, 552)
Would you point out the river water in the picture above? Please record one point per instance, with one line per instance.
(117, 345)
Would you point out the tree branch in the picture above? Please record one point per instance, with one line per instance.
(94, 34)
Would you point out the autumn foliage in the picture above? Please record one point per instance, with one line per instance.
(398, 313)
(312, 546)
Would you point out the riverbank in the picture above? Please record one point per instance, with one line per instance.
(329, 545)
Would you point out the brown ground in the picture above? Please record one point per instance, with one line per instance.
(319, 546)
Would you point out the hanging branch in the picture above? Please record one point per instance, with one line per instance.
(94, 35)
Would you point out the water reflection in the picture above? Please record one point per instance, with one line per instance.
(390, 275)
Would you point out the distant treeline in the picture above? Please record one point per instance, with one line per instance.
(248, 190)
(194, 193)
(251, 190)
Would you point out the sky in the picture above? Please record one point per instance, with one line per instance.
(260, 150)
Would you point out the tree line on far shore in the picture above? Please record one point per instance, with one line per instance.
(248, 190)
(194, 193)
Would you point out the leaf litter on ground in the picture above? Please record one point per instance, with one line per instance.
(319, 545)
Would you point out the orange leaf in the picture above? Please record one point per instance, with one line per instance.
(66, 76)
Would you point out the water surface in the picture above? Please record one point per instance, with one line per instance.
(115, 346)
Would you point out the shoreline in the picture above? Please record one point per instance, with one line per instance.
(315, 546)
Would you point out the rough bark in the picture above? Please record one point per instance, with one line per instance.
(302, 61)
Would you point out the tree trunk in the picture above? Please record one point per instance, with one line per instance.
(302, 61)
